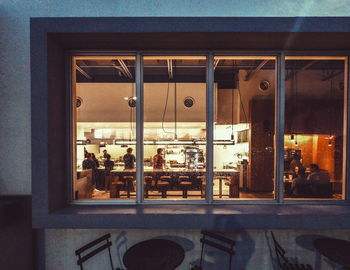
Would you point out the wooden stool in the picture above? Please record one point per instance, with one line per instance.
(147, 184)
(129, 182)
(115, 187)
(220, 178)
(202, 180)
(233, 184)
(163, 187)
(185, 184)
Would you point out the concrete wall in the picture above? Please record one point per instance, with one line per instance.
(254, 248)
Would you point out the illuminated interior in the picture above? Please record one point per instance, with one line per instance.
(174, 114)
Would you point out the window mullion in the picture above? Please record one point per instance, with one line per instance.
(139, 128)
(346, 137)
(210, 130)
(279, 127)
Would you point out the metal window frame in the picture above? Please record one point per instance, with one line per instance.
(279, 126)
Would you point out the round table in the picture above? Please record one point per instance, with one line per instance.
(154, 254)
(334, 249)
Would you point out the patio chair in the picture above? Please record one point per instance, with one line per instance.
(216, 241)
(283, 262)
(95, 247)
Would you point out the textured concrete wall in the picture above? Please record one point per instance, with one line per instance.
(254, 249)
(15, 165)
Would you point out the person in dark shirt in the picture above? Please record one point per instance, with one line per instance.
(158, 160)
(88, 163)
(109, 164)
(300, 179)
(129, 159)
(105, 153)
(95, 160)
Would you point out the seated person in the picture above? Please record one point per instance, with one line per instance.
(296, 172)
(296, 162)
(318, 176)
(319, 181)
(300, 184)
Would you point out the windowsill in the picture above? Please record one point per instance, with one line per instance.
(198, 217)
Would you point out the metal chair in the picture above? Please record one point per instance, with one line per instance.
(96, 248)
(283, 261)
(219, 242)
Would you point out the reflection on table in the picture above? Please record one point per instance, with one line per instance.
(154, 254)
(336, 250)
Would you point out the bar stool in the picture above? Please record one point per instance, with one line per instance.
(202, 180)
(115, 187)
(185, 184)
(163, 184)
(129, 182)
(147, 184)
(220, 178)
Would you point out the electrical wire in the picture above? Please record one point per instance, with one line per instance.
(165, 109)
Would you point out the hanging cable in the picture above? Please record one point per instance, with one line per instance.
(232, 100)
(330, 110)
(165, 109)
(175, 109)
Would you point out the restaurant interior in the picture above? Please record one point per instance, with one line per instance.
(175, 127)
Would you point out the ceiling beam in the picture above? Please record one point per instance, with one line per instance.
(82, 72)
(306, 66)
(253, 72)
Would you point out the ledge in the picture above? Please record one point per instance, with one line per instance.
(199, 217)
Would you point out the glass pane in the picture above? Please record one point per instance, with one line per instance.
(174, 127)
(104, 125)
(244, 127)
(314, 113)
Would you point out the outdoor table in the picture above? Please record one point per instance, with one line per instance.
(335, 250)
(154, 254)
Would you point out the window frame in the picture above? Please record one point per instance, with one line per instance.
(280, 56)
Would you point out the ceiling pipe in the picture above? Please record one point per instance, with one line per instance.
(170, 68)
(82, 72)
(120, 69)
(216, 62)
(126, 69)
(252, 73)
(330, 76)
(306, 66)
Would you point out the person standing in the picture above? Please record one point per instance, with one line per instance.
(158, 160)
(88, 163)
(105, 153)
(109, 164)
(129, 159)
(95, 160)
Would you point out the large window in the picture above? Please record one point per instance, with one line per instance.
(314, 128)
(208, 128)
(244, 127)
(105, 133)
